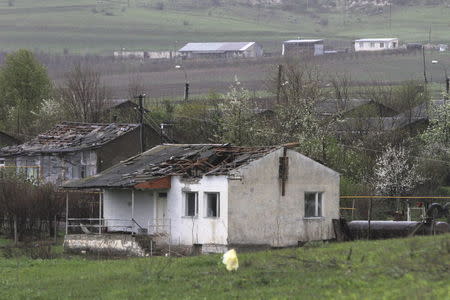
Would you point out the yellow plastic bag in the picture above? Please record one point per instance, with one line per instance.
(230, 260)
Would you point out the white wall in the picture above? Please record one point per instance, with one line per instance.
(200, 229)
(260, 215)
(184, 230)
(367, 46)
(117, 205)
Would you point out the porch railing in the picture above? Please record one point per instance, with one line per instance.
(158, 227)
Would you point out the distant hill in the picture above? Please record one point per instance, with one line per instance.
(89, 26)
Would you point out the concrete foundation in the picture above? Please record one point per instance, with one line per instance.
(114, 244)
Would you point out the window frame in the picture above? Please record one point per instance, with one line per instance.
(207, 205)
(381, 45)
(372, 44)
(186, 205)
(318, 205)
(2, 162)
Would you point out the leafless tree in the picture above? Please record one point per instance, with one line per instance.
(135, 85)
(84, 94)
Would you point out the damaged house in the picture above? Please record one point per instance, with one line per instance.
(211, 197)
(77, 150)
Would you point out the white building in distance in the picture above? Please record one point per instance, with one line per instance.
(376, 44)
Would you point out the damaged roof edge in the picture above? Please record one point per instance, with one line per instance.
(187, 160)
(70, 137)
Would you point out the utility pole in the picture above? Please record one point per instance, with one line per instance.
(390, 15)
(424, 65)
(186, 82)
(141, 121)
(280, 73)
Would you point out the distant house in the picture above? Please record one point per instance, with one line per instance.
(77, 150)
(142, 54)
(376, 44)
(302, 47)
(221, 50)
(217, 196)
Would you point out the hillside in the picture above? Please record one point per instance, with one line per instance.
(88, 26)
(414, 268)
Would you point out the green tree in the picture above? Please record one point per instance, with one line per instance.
(24, 84)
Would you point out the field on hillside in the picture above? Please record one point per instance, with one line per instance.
(413, 268)
(89, 26)
(162, 80)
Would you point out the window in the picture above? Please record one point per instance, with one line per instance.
(212, 205)
(381, 45)
(191, 204)
(2, 162)
(313, 204)
(361, 44)
(372, 45)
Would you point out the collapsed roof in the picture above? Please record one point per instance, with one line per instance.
(69, 137)
(191, 160)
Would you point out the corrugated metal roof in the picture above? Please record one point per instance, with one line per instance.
(70, 136)
(216, 47)
(377, 40)
(302, 41)
(189, 160)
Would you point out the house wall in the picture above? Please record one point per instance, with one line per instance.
(375, 46)
(125, 147)
(259, 215)
(304, 49)
(199, 229)
(117, 205)
(185, 231)
(253, 51)
(56, 168)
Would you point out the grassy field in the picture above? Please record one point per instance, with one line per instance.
(414, 268)
(89, 26)
(366, 69)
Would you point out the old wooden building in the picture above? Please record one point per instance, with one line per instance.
(77, 150)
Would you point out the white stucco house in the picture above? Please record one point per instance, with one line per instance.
(219, 196)
(376, 44)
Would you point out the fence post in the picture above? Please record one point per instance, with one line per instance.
(55, 232)
(353, 209)
(369, 218)
(15, 231)
(67, 212)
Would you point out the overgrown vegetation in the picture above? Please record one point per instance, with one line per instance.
(352, 270)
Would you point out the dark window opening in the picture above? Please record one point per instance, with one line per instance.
(212, 205)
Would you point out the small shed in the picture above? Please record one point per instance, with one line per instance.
(376, 44)
(304, 47)
(221, 50)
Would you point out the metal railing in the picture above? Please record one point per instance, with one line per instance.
(156, 227)
(159, 227)
(97, 225)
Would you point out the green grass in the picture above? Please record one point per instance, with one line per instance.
(52, 25)
(415, 268)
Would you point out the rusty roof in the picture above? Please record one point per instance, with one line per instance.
(186, 160)
(69, 137)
